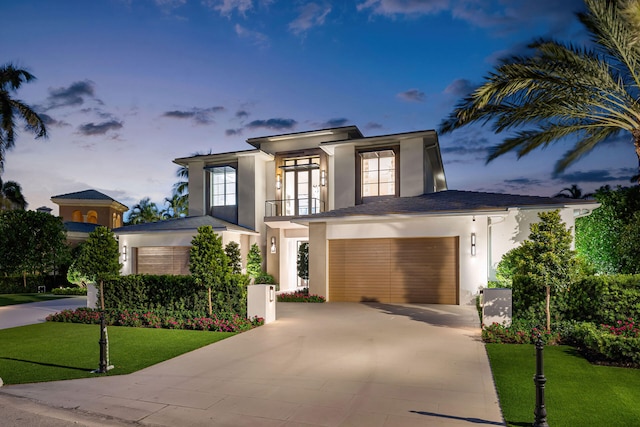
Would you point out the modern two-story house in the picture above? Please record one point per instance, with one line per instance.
(380, 222)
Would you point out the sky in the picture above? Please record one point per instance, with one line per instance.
(127, 86)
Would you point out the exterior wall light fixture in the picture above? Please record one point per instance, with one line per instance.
(273, 245)
(124, 253)
(473, 244)
(323, 177)
(278, 181)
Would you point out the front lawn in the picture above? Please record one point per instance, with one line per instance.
(576, 393)
(60, 351)
(12, 299)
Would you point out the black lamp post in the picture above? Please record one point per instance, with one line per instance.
(539, 380)
(102, 369)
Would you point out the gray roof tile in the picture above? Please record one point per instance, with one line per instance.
(189, 223)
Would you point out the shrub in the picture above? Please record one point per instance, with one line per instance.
(300, 296)
(602, 343)
(265, 279)
(519, 332)
(69, 291)
(160, 318)
(16, 284)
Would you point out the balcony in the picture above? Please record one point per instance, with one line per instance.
(293, 207)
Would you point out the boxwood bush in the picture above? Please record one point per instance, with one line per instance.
(602, 342)
(604, 299)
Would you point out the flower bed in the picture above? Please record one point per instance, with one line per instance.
(300, 296)
(222, 322)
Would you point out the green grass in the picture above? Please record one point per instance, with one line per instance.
(576, 393)
(13, 299)
(58, 351)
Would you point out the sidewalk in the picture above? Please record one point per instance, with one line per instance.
(334, 364)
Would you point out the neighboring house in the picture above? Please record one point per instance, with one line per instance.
(83, 211)
(380, 222)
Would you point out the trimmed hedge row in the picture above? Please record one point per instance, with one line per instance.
(175, 293)
(604, 299)
(604, 344)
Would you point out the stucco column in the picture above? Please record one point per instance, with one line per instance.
(318, 258)
(196, 188)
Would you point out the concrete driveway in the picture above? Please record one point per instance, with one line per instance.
(334, 364)
(36, 312)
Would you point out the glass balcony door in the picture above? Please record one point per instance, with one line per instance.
(302, 186)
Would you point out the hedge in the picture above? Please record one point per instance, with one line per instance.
(600, 342)
(604, 299)
(15, 284)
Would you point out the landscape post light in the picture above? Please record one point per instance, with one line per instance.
(540, 412)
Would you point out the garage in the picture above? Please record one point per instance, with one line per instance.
(162, 260)
(409, 270)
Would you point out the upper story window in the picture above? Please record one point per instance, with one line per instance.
(301, 185)
(223, 186)
(378, 170)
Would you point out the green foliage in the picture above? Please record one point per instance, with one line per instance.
(265, 279)
(32, 242)
(303, 261)
(69, 291)
(234, 258)
(254, 261)
(300, 296)
(99, 257)
(16, 284)
(605, 299)
(207, 261)
(519, 332)
(602, 343)
(608, 238)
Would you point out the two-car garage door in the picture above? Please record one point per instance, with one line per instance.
(411, 270)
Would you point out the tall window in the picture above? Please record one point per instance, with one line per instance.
(378, 173)
(301, 185)
(223, 186)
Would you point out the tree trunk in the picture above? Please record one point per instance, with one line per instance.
(24, 279)
(101, 295)
(636, 144)
(210, 308)
(548, 308)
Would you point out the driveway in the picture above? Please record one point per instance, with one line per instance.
(36, 312)
(333, 364)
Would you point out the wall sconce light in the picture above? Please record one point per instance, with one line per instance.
(278, 181)
(323, 177)
(273, 245)
(473, 244)
(124, 253)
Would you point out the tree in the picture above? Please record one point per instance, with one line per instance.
(11, 196)
(254, 261)
(99, 258)
(11, 110)
(561, 91)
(544, 263)
(207, 260)
(607, 238)
(32, 243)
(303, 261)
(573, 192)
(145, 211)
(232, 250)
(175, 207)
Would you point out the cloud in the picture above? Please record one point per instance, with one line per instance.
(233, 132)
(391, 8)
(373, 125)
(168, 6)
(201, 116)
(51, 122)
(459, 87)
(255, 37)
(274, 124)
(598, 175)
(93, 129)
(227, 7)
(242, 114)
(334, 123)
(463, 150)
(71, 96)
(310, 15)
(412, 95)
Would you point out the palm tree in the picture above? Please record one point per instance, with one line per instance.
(11, 196)
(573, 192)
(175, 207)
(561, 90)
(181, 188)
(11, 78)
(145, 211)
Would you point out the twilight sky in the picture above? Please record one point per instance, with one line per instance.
(126, 86)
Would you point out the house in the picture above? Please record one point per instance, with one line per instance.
(380, 221)
(83, 211)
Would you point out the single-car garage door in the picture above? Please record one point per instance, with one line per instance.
(413, 270)
(162, 260)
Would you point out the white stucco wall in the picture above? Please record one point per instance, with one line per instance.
(412, 167)
(343, 177)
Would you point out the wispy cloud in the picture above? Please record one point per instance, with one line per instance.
(403, 7)
(242, 114)
(255, 37)
(334, 123)
(233, 132)
(373, 126)
(310, 15)
(273, 124)
(228, 7)
(459, 87)
(72, 96)
(598, 175)
(94, 129)
(51, 122)
(412, 95)
(201, 116)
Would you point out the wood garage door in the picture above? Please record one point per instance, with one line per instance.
(417, 270)
(163, 260)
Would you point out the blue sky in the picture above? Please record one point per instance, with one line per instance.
(127, 86)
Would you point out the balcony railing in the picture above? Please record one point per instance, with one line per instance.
(293, 207)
